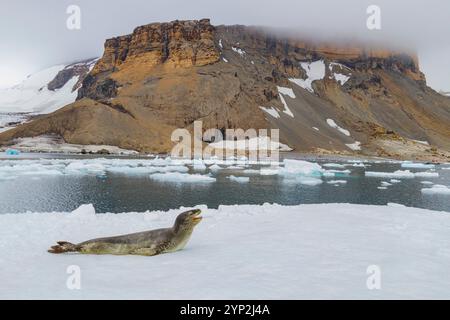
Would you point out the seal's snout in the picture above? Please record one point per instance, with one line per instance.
(195, 216)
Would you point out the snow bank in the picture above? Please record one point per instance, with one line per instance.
(356, 146)
(271, 111)
(239, 51)
(339, 77)
(286, 107)
(333, 124)
(314, 71)
(33, 96)
(53, 144)
(288, 92)
(237, 252)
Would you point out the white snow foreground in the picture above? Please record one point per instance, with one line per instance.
(237, 252)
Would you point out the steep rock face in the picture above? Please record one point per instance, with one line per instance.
(78, 69)
(321, 96)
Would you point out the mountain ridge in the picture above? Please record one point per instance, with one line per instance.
(165, 76)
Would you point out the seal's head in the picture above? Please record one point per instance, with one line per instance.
(188, 220)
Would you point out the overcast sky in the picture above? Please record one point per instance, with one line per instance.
(33, 34)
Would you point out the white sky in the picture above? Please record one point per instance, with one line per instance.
(34, 35)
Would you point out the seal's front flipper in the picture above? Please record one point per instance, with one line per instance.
(144, 252)
(63, 247)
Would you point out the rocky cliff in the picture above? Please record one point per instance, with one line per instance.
(322, 97)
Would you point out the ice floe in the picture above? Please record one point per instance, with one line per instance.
(416, 165)
(177, 177)
(401, 174)
(239, 179)
(437, 189)
(337, 181)
(317, 251)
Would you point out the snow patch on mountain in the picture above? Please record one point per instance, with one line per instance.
(314, 71)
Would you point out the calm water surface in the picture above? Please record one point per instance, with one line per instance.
(123, 193)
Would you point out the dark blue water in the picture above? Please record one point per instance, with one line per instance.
(124, 193)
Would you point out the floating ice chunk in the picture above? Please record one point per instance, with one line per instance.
(199, 165)
(12, 152)
(336, 173)
(224, 59)
(361, 165)
(314, 71)
(337, 182)
(309, 181)
(251, 171)
(146, 170)
(272, 111)
(409, 164)
(382, 188)
(401, 174)
(426, 182)
(333, 124)
(239, 179)
(437, 189)
(396, 174)
(214, 168)
(269, 171)
(300, 167)
(234, 168)
(395, 181)
(385, 184)
(315, 128)
(426, 174)
(177, 177)
(334, 165)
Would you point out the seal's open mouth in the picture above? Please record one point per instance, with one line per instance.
(196, 216)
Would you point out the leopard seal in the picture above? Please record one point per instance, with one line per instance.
(147, 243)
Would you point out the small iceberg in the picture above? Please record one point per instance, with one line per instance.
(12, 152)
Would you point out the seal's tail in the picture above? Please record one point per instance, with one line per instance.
(63, 247)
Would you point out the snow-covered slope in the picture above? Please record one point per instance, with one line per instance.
(34, 96)
(237, 252)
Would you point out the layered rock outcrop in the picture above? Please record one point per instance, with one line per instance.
(165, 76)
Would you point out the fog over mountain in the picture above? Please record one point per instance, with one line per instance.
(34, 34)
